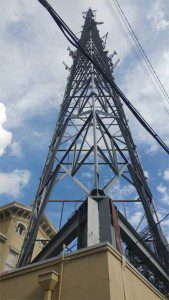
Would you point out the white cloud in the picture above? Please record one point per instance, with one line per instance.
(120, 191)
(146, 173)
(87, 174)
(140, 92)
(165, 223)
(5, 135)
(30, 72)
(13, 183)
(164, 193)
(166, 174)
(15, 149)
(162, 189)
(158, 15)
(136, 218)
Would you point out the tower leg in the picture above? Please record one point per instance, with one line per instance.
(106, 228)
(88, 232)
(92, 222)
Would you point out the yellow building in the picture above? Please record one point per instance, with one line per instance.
(14, 219)
(94, 273)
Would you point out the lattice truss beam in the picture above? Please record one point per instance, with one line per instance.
(92, 133)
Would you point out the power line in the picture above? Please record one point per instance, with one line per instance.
(138, 53)
(134, 51)
(151, 228)
(142, 50)
(162, 248)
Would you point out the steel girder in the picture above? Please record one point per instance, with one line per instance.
(77, 226)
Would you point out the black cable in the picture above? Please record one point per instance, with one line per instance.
(138, 54)
(133, 49)
(151, 228)
(143, 262)
(76, 43)
(163, 247)
(142, 50)
(143, 54)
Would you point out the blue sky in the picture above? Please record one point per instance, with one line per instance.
(33, 79)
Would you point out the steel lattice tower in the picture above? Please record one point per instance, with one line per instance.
(92, 133)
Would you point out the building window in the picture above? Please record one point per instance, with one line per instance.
(11, 260)
(20, 229)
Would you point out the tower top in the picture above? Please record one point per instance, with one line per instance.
(89, 13)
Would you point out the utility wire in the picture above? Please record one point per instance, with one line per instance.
(138, 53)
(161, 248)
(142, 50)
(151, 228)
(135, 52)
(77, 44)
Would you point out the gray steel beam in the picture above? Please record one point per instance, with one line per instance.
(92, 222)
(82, 227)
(76, 226)
(64, 236)
(106, 228)
(132, 238)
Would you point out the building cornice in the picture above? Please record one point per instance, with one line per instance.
(18, 209)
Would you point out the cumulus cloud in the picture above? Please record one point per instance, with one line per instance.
(146, 173)
(5, 135)
(148, 102)
(161, 188)
(87, 174)
(164, 191)
(30, 73)
(158, 15)
(13, 183)
(136, 218)
(15, 149)
(166, 174)
(120, 191)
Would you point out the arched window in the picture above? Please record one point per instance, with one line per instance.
(20, 229)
